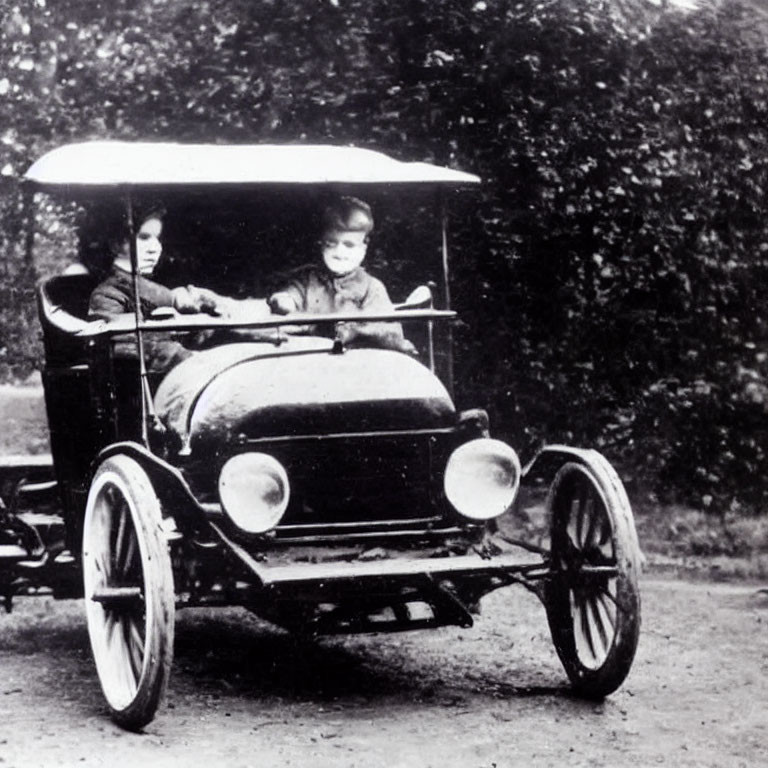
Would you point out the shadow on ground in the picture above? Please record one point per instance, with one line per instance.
(235, 654)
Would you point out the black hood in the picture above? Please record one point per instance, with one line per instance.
(299, 388)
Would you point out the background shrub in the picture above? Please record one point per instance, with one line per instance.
(617, 255)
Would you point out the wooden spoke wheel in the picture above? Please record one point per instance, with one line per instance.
(129, 593)
(592, 598)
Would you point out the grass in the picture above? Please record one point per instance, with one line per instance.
(684, 540)
(25, 426)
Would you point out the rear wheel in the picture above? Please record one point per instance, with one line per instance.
(129, 595)
(592, 598)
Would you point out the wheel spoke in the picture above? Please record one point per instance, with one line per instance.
(611, 590)
(119, 654)
(583, 624)
(598, 547)
(571, 533)
(100, 554)
(107, 496)
(592, 630)
(605, 532)
(604, 539)
(125, 662)
(610, 602)
(594, 605)
(589, 624)
(109, 628)
(608, 612)
(587, 629)
(595, 517)
(580, 515)
(135, 643)
(137, 633)
(129, 554)
(119, 539)
(115, 640)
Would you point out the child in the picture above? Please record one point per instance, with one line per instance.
(114, 295)
(340, 284)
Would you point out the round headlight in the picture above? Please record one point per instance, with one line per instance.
(254, 491)
(482, 478)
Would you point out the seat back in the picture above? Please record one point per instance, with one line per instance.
(62, 304)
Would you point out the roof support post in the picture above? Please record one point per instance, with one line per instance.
(443, 202)
(146, 397)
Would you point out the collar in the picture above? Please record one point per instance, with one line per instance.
(354, 278)
(125, 276)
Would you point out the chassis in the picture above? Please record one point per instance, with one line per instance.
(379, 532)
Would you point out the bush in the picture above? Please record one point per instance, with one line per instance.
(618, 252)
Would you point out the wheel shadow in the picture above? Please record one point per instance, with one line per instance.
(228, 655)
(238, 655)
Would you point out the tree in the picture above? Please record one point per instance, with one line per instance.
(618, 247)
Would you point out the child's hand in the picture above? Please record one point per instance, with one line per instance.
(211, 302)
(194, 299)
(281, 304)
(407, 347)
(183, 300)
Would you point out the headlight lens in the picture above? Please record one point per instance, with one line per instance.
(254, 491)
(482, 478)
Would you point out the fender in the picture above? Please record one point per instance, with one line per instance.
(550, 458)
(178, 500)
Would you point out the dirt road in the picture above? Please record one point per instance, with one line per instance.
(244, 694)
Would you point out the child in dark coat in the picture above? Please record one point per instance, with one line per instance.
(340, 284)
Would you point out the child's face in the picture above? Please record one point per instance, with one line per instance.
(148, 247)
(343, 250)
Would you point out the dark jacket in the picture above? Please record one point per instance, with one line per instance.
(315, 290)
(114, 296)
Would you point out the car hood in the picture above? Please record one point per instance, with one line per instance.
(253, 390)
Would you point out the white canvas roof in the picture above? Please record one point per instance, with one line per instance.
(123, 163)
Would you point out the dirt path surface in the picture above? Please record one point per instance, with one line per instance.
(244, 693)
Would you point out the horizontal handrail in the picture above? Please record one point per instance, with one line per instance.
(127, 323)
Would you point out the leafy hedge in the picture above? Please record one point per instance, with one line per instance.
(618, 254)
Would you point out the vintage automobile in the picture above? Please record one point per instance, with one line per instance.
(328, 488)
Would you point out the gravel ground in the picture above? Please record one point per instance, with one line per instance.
(244, 693)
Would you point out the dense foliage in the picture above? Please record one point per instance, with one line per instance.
(617, 257)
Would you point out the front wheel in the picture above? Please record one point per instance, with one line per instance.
(591, 597)
(129, 595)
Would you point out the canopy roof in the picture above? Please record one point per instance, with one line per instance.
(121, 163)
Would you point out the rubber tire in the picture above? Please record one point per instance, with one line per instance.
(133, 674)
(594, 678)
